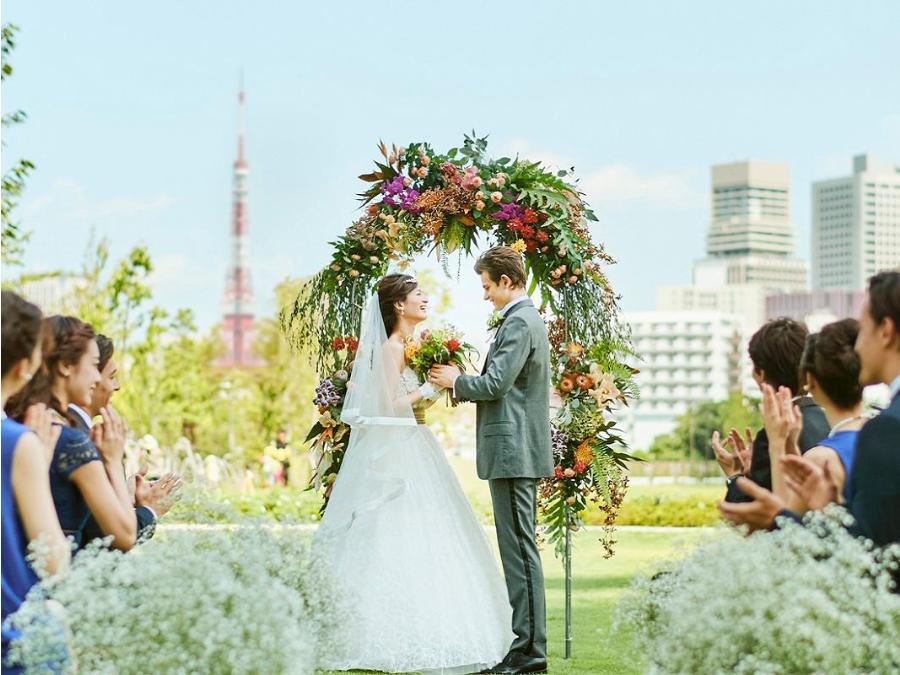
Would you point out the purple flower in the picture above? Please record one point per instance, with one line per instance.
(558, 441)
(509, 211)
(388, 200)
(394, 187)
(326, 394)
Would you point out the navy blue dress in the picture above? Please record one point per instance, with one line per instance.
(18, 577)
(73, 450)
(844, 444)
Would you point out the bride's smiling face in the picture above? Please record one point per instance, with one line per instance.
(415, 306)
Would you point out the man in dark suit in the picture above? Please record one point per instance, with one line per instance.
(875, 476)
(775, 350)
(152, 499)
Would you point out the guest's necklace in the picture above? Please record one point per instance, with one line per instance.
(843, 423)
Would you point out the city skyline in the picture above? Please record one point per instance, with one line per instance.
(141, 146)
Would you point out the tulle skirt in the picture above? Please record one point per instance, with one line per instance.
(422, 584)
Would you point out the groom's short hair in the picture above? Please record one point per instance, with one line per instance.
(502, 260)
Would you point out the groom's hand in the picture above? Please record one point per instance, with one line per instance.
(443, 376)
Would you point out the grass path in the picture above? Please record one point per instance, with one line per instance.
(597, 585)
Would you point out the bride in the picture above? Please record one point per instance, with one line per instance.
(403, 543)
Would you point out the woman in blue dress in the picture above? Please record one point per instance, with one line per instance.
(27, 505)
(830, 367)
(86, 474)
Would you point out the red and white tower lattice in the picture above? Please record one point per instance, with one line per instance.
(238, 330)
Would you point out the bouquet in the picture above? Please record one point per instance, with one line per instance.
(443, 346)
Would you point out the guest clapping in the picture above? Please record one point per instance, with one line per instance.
(775, 351)
(873, 492)
(86, 474)
(152, 499)
(28, 511)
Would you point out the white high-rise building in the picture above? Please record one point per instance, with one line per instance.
(54, 293)
(686, 358)
(855, 225)
(750, 238)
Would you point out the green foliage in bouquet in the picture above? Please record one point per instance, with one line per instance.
(442, 346)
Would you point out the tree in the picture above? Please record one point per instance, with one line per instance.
(13, 237)
(693, 430)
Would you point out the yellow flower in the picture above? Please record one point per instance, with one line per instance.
(411, 348)
(584, 454)
(518, 246)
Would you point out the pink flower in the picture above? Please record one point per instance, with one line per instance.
(496, 197)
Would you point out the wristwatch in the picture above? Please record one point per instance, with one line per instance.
(730, 480)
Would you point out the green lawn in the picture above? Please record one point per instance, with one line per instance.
(597, 585)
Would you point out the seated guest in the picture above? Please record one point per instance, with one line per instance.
(152, 499)
(86, 474)
(873, 497)
(27, 511)
(775, 351)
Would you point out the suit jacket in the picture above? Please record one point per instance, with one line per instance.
(875, 478)
(146, 521)
(815, 428)
(513, 399)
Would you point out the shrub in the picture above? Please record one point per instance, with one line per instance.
(248, 600)
(810, 599)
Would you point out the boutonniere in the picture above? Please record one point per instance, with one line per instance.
(495, 320)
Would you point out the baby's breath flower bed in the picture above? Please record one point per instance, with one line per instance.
(242, 600)
(808, 599)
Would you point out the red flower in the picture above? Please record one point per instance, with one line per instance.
(515, 224)
(352, 343)
(531, 245)
(580, 467)
(527, 231)
(338, 344)
(558, 472)
(530, 216)
(542, 236)
(453, 344)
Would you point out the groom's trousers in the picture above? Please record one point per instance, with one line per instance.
(515, 515)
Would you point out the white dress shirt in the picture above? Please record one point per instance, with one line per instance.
(82, 413)
(895, 387)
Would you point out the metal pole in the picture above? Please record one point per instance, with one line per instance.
(567, 556)
(568, 564)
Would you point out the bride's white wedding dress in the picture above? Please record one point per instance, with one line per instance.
(424, 589)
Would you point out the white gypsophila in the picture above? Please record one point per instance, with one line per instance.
(247, 600)
(801, 599)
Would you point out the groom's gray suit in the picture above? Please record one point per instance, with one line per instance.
(513, 452)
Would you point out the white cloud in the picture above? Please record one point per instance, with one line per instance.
(69, 199)
(618, 183)
(522, 148)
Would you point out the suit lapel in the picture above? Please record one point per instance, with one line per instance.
(512, 310)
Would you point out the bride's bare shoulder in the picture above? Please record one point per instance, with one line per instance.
(398, 352)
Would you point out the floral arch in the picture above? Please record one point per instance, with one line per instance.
(421, 201)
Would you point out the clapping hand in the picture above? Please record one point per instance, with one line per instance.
(109, 437)
(738, 461)
(782, 420)
(159, 495)
(758, 514)
(814, 484)
(40, 420)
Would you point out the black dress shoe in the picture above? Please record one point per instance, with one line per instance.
(514, 664)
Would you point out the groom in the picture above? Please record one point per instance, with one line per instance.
(513, 444)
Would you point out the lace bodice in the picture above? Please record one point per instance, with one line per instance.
(409, 381)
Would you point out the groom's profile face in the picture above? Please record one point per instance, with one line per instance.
(497, 293)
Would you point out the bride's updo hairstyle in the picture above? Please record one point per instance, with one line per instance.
(393, 289)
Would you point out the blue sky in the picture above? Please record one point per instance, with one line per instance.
(132, 117)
